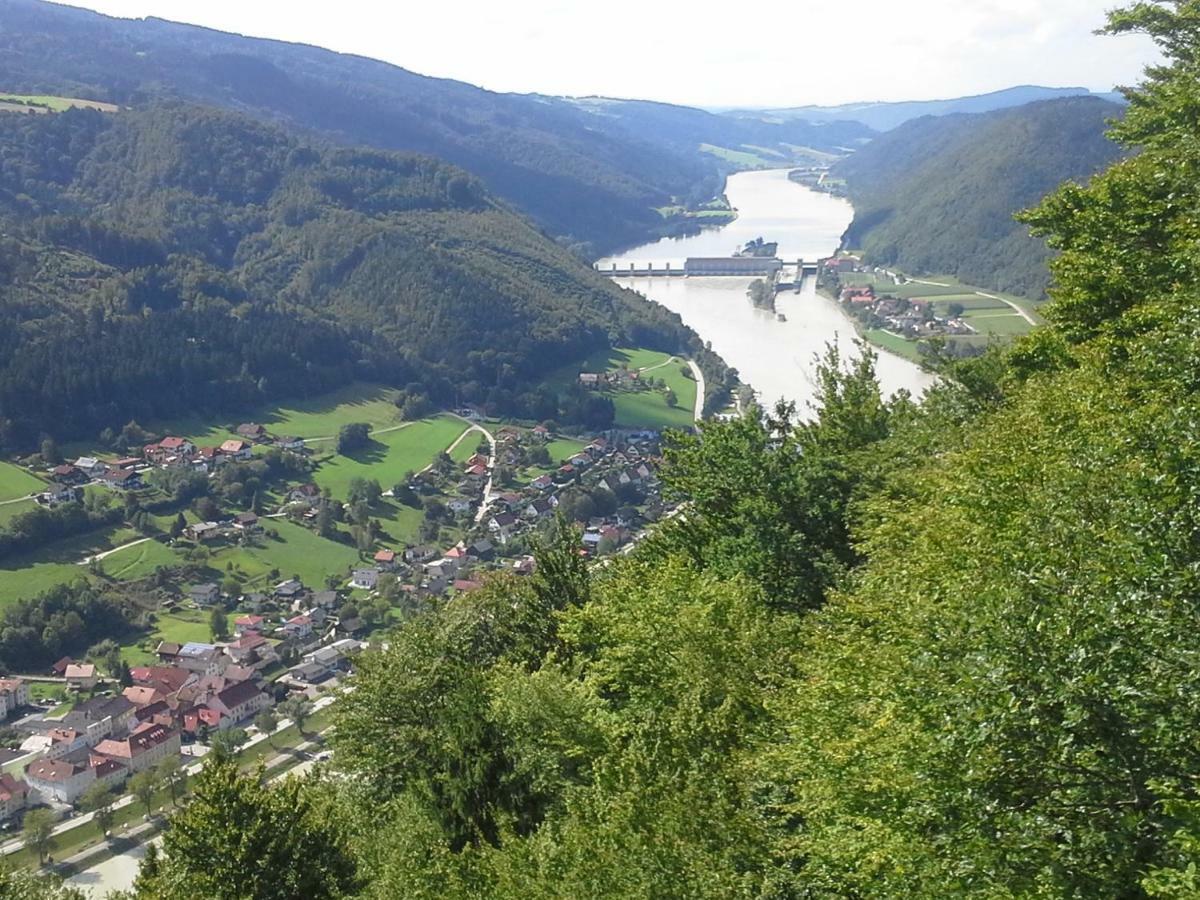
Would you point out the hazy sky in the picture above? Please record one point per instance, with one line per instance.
(700, 52)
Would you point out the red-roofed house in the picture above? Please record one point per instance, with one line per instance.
(240, 701)
(13, 792)
(236, 449)
(145, 746)
(177, 445)
(385, 558)
(243, 624)
(81, 676)
(141, 695)
(198, 718)
(57, 779)
(298, 626)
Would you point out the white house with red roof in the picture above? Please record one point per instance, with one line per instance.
(58, 779)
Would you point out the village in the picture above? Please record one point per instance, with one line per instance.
(293, 642)
(909, 318)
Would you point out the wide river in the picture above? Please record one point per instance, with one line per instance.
(774, 357)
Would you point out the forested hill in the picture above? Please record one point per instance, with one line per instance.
(938, 195)
(886, 116)
(177, 258)
(586, 184)
(683, 129)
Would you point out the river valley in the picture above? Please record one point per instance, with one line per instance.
(774, 357)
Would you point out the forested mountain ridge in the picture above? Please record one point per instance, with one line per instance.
(683, 128)
(588, 184)
(205, 259)
(939, 195)
(884, 116)
(898, 650)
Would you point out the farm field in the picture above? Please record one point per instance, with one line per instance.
(16, 482)
(390, 455)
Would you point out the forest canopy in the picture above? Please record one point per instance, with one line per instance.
(937, 195)
(205, 261)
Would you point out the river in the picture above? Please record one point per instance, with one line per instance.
(774, 357)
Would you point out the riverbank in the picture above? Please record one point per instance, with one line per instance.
(902, 314)
(777, 358)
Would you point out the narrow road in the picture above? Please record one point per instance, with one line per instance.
(107, 553)
(698, 414)
(25, 499)
(374, 431)
(487, 488)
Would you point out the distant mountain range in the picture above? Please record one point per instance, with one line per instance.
(886, 116)
(590, 172)
(937, 195)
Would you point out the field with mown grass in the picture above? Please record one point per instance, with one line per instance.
(389, 455)
(15, 482)
(29, 574)
(316, 420)
(641, 409)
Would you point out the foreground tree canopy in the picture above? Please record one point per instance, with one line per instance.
(893, 651)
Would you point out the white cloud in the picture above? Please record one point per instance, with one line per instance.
(772, 52)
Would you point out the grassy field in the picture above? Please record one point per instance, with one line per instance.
(29, 574)
(641, 409)
(897, 345)
(740, 157)
(138, 562)
(293, 551)
(11, 509)
(16, 482)
(316, 419)
(390, 455)
(467, 447)
(999, 323)
(51, 103)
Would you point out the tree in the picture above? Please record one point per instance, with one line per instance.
(225, 743)
(143, 786)
(955, 309)
(98, 801)
(296, 708)
(35, 833)
(326, 526)
(239, 839)
(173, 777)
(352, 437)
(50, 453)
(363, 490)
(178, 525)
(218, 623)
(266, 722)
(16, 884)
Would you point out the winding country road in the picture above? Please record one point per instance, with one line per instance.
(107, 553)
(698, 413)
